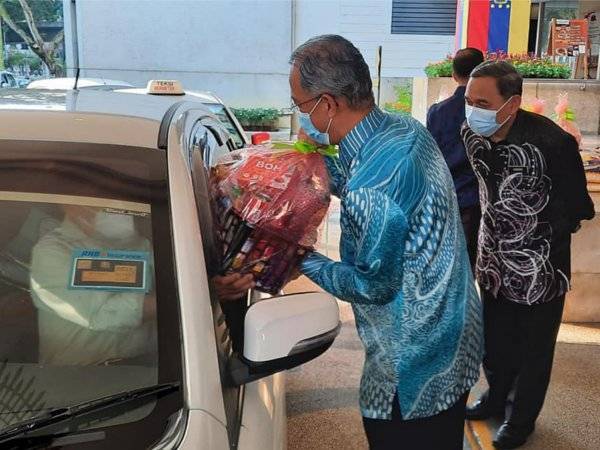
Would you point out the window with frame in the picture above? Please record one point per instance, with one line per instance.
(220, 111)
(424, 17)
(206, 147)
(88, 301)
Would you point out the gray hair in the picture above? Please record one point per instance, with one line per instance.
(330, 64)
(508, 80)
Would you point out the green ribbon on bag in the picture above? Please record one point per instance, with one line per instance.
(306, 148)
(569, 115)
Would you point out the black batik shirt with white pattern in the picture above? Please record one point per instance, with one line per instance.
(533, 195)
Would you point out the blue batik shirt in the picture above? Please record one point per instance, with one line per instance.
(404, 268)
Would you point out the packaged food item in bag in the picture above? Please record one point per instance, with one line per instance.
(565, 117)
(537, 106)
(270, 201)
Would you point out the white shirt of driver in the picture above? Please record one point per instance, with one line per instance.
(83, 327)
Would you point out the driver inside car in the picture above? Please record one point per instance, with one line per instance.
(90, 326)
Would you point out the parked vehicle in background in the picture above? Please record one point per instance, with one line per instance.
(7, 80)
(22, 82)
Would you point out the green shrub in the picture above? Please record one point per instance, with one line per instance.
(403, 103)
(35, 64)
(528, 66)
(542, 69)
(256, 116)
(439, 69)
(19, 59)
(15, 59)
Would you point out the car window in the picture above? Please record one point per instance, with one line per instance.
(83, 279)
(212, 143)
(229, 317)
(221, 112)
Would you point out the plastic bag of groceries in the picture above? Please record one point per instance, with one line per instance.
(537, 106)
(270, 201)
(565, 117)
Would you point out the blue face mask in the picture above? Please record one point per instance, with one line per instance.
(309, 128)
(483, 121)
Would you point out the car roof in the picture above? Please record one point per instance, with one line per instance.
(119, 102)
(204, 97)
(69, 83)
(108, 111)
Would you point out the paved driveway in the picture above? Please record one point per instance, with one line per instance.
(322, 396)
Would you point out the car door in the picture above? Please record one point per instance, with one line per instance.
(255, 412)
(207, 143)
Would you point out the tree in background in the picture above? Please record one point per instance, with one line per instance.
(23, 17)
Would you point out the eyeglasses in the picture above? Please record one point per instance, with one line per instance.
(295, 107)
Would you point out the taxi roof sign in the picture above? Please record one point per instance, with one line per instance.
(165, 87)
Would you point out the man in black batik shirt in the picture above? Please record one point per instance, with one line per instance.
(533, 196)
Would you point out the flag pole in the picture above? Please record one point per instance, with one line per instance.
(1, 46)
(379, 51)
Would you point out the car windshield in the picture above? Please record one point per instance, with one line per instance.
(82, 277)
(221, 112)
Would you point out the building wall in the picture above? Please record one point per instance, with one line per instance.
(238, 49)
(587, 6)
(367, 24)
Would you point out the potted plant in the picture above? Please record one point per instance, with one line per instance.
(403, 102)
(528, 66)
(258, 119)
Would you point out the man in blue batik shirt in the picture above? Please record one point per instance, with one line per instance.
(444, 122)
(404, 264)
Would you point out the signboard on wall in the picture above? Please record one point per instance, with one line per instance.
(568, 37)
(569, 41)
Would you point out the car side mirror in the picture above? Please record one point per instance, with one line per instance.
(284, 332)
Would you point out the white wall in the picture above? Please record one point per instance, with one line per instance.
(238, 49)
(367, 23)
(587, 6)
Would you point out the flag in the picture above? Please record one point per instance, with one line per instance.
(499, 25)
(493, 25)
(478, 24)
(518, 35)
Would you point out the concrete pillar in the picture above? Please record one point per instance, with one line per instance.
(583, 301)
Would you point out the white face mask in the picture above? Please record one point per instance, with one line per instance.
(483, 121)
(320, 137)
(119, 227)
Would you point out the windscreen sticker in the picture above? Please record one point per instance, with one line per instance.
(128, 212)
(110, 270)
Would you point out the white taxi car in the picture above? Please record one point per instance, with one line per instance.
(110, 336)
(68, 83)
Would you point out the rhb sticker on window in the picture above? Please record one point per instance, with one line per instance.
(109, 270)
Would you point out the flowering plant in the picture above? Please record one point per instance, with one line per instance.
(529, 66)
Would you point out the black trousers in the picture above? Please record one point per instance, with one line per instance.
(444, 431)
(470, 218)
(519, 350)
